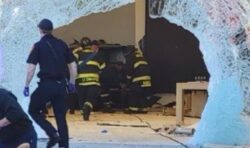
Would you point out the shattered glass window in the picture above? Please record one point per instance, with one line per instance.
(18, 32)
(222, 27)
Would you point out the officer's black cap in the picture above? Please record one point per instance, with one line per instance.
(46, 25)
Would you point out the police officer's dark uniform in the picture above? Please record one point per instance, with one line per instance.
(88, 79)
(140, 83)
(52, 55)
(73, 101)
(20, 130)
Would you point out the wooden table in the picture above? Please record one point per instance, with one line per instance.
(180, 87)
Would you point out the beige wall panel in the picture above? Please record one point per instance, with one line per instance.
(117, 26)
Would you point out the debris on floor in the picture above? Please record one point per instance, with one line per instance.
(123, 125)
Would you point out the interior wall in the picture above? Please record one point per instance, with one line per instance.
(173, 54)
(140, 16)
(116, 26)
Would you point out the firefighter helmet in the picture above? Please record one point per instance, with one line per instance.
(85, 41)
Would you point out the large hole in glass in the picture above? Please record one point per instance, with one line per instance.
(220, 28)
(214, 23)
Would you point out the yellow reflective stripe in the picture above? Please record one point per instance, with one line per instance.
(88, 79)
(129, 77)
(138, 55)
(87, 50)
(84, 75)
(138, 109)
(136, 79)
(103, 66)
(89, 83)
(77, 49)
(133, 108)
(80, 62)
(89, 104)
(76, 56)
(93, 63)
(138, 51)
(140, 63)
(146, 85)
(104, 95)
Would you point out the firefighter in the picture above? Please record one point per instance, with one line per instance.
(90, 64)
(112, 79)
(76, 48)
(140, 94)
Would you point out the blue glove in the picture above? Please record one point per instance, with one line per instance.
(26, 91)
(72, 88)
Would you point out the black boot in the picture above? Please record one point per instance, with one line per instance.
(138, 111)
(86, 112)
(108, 107)
(151, 100)
(53, 140)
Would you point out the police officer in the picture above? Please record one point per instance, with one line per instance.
(53, 57)
(15, 126)
(90, 64)
(140, 93)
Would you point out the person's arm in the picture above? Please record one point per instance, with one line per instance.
(11, 109)
(73, 72)
(31, 64)
(4, 122)
(31, 68)
(71, 64)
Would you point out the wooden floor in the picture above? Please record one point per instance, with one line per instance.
(124, 130)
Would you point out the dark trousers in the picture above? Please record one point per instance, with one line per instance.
(137, 96)
(114, 97)
(29, 136)
(88, 94)
(72, 101)
(55, 92)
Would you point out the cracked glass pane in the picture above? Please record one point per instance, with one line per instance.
(223, 29)
(18, 31)
(1, 64)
